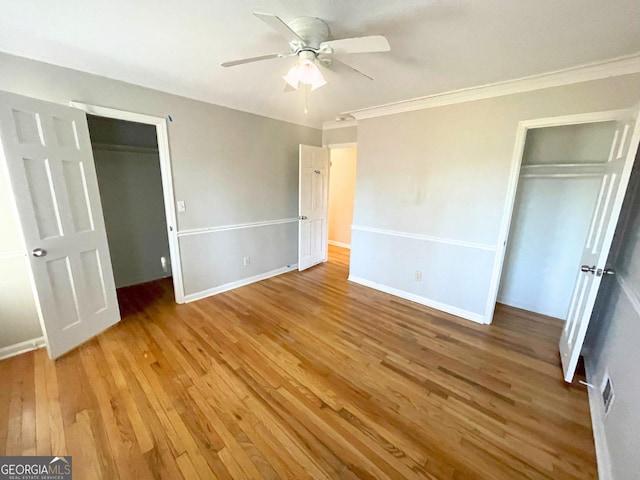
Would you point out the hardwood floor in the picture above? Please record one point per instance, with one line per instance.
(304, 375)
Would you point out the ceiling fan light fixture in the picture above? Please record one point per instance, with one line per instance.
(307, 72)
(310, 74)
(292, 77)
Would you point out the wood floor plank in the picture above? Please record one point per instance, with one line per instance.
(54, 411)
(81, 441)
(116, 423)
(188, 469)
(143, 437)
(18, 407)
(304, 375)
(43, 436)
(28, 411)
(5, 401)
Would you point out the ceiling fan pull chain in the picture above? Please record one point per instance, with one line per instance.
(306, 99)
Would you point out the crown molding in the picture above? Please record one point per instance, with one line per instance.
(339, 124)
(594, 71)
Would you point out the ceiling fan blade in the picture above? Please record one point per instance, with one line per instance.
(255, 59)
(279, 26)
(338, 66)
(373, 43)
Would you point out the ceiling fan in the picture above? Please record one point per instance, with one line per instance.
(309, 41)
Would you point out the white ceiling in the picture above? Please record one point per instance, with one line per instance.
(437, 45)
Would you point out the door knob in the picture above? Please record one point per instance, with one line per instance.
(302, 217)
(39, 252)
(588, 269)
(609, 271)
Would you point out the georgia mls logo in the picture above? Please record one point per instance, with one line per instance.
(35, 468)
(63, 465)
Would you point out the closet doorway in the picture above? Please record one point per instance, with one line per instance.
(560, 179)
(127, 165)
(153, 241)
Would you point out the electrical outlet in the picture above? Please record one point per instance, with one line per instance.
(247, 261)
(417, 276)
(181, 206)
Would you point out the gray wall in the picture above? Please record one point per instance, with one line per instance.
(548, 232)
(339, 136)
(614, 340)
(230, 167)
(133, 206)
(18, 316)
(436, 180)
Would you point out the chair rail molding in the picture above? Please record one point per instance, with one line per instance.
(236, 226)
(428, 238)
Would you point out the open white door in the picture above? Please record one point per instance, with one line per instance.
(312, 206)
(48, 158)
(603, 224)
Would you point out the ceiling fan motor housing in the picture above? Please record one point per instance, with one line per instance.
(309, 55)
(312, 31)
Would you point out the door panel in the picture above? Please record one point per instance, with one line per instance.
(76, 186)
(48, 157)
(43, 200)
(65, 299)
(599, 238)
(94, 287)
(28, 127)
(66, 132)
(313, 198)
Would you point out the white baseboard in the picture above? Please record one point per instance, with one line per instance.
(22, 347)
(192, 297)
(528, 307)
(597, 423)
(458, 312)
(339, 244)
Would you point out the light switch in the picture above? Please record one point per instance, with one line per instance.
(181, 206)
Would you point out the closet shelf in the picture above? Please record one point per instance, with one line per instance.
(563, 170)
(563, 165)
(123, 148)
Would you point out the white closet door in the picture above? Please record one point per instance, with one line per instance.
(48, 158)
(596, 250)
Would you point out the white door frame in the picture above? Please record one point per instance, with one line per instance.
(162, 135)
(514, 176)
